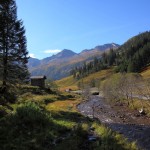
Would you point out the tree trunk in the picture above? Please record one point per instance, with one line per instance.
(5, 63)
(4, 72)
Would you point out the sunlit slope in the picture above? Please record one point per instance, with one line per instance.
(70, 82)
(146, 72)
(66, 83)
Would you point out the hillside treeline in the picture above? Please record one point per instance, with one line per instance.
(132, 56)
(105, 61)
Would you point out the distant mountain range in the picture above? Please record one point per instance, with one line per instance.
(60, 65)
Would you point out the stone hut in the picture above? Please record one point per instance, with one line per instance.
(38, 81)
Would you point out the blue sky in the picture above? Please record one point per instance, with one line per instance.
(54, 25)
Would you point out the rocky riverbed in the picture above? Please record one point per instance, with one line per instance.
(119, 118)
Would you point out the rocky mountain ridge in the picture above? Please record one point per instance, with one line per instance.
(59, 65)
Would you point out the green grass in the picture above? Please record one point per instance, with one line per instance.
(70, 82)
(113, 140)
(138, 104)
(41, 121)
(146, 72)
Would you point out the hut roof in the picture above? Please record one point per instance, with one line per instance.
(38, 77)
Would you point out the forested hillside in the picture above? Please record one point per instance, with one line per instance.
(132, 56)
(106, 60)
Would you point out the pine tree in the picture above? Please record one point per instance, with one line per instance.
(13, 49)
(111, 57)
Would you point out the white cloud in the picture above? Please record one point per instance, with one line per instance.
(52, 51)
(32, 55)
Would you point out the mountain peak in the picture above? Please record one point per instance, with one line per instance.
(60, 64)
(66, 50)
(106, 46)
(65, 53)
(103, 47)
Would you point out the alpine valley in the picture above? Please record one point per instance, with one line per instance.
(60, 65)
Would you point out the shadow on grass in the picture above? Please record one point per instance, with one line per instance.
(79, 141)
(59, 98)
(31, 128)
(71, 116)
(66, 97)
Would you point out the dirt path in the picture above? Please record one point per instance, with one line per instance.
(119, 118)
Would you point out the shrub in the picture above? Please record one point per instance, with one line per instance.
(7, 95)
(27, 128)
(32, 115)
(3, 111)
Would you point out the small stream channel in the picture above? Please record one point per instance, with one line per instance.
(123, 123)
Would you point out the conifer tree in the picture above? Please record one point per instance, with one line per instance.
(13, 48)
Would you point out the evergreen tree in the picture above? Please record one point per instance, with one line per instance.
(13, 49)
(104, 58)
(111, 57)
(131, 67)
(134, 54)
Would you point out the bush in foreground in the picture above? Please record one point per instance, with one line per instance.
(29, 127)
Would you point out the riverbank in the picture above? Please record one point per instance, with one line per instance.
(119, 118)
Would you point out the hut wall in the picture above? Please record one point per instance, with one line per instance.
(38, 82)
